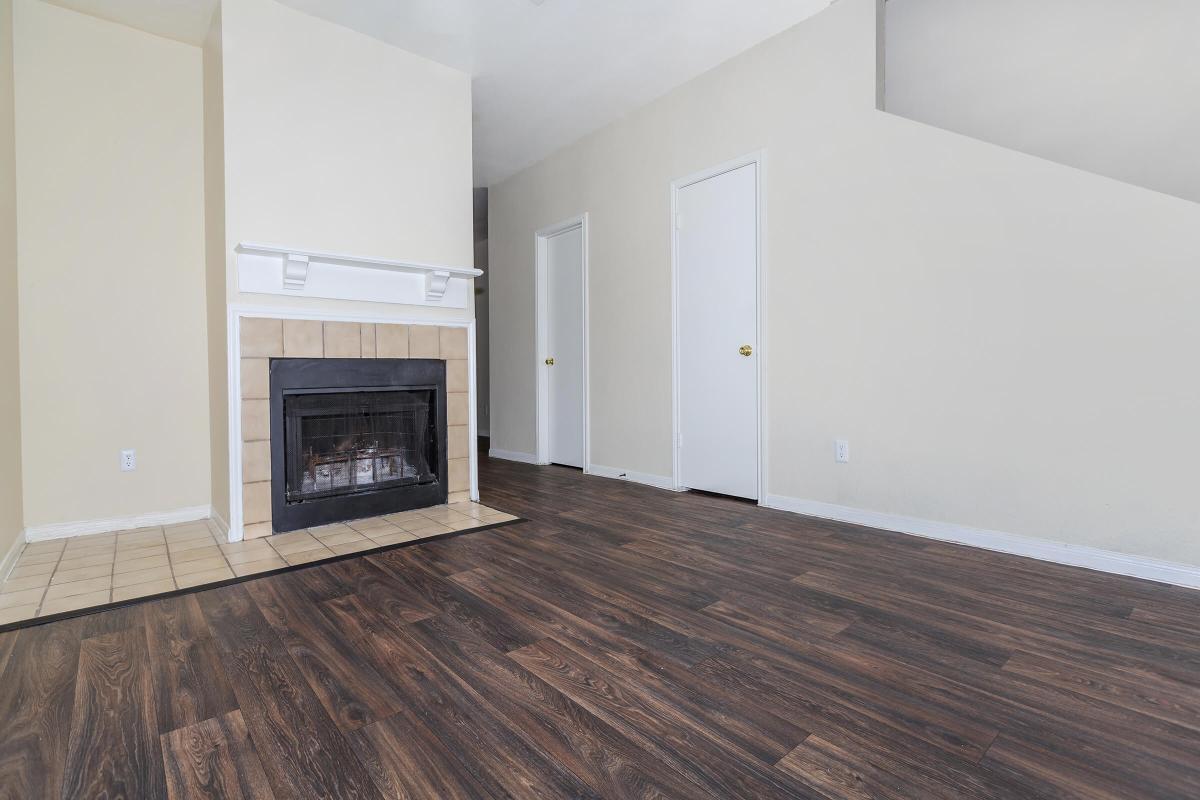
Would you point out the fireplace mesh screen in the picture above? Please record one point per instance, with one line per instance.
(340, 443)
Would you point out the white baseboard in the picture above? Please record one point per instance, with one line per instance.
(1151, 569)
(10, 558)
(63, 530)
(657, 481)
(216, 517)
(513, 455)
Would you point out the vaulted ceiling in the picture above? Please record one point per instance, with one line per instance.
(545, 72)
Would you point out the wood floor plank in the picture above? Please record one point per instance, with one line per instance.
(189, 677)
(352, 692)
(114, 749)
(37, 697)
(214, 759)
(408, 762)
(301, 749)
(544, 717)
(676, 743)
(622, 642)
(467, 725)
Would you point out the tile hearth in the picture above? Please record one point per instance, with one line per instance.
(59, 575)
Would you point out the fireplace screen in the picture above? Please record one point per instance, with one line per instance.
(344, 443)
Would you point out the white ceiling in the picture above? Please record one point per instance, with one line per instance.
(546, 72)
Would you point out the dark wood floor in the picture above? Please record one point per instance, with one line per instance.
(625, 642)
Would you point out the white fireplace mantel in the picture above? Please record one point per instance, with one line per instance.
(272, 269)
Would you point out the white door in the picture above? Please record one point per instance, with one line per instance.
(717, 295)
(564, 340)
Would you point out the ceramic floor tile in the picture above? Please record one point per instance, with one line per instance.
(139, 553)
(308, 556)
(352, 547)
(74, 603)
(23, 597)
(141, 541)
(190, 544)
(126, 566)
(17, 613)
(468, 509)
(186, 527)
(140, 533)
(48, 546)
(405, 518)
(346, 536)
(290, 536)
(200, 578)
(262, 565)
(465, 525)
(296, 546)
(142, 589)
(393, 538)
(431, 529)
(24, 570)
(189, 535)
(29, 559)
(61, 590)
(194, 554)
(81, 574)
(249, 556)
(446, 516)
(324, 530)
(88, 552)
(142, 576)
(199, 565)
(363, 525)
(68, 564)
(21, 584)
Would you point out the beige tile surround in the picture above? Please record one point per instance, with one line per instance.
(263, 339)
(61, 575)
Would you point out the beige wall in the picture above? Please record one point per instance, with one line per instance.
(335, 141)
(111, 247)
(10, 372)
(1003, 340)
(214, 256)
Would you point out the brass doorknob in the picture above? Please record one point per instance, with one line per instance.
(745, 349)
(550, 362)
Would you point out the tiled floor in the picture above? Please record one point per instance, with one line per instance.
(70, 574)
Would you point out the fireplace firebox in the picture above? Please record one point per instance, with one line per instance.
(355, 438)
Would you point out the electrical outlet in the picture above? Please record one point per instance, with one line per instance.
(128, 460)
(842, 451)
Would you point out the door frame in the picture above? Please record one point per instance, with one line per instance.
(757, 159)
(541, 313)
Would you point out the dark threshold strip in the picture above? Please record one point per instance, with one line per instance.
(83, 612)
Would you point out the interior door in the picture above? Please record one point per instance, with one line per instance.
(717, 290)
(564, 329)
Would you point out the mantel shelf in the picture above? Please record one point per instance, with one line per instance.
(274, 269)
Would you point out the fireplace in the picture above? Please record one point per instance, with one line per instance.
(355, 438)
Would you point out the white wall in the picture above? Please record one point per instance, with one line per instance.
(1003, 340)
(111, 253)
(335, 141)
(1109, 86)
(11, 520)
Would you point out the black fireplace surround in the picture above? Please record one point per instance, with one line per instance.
(355, 438)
